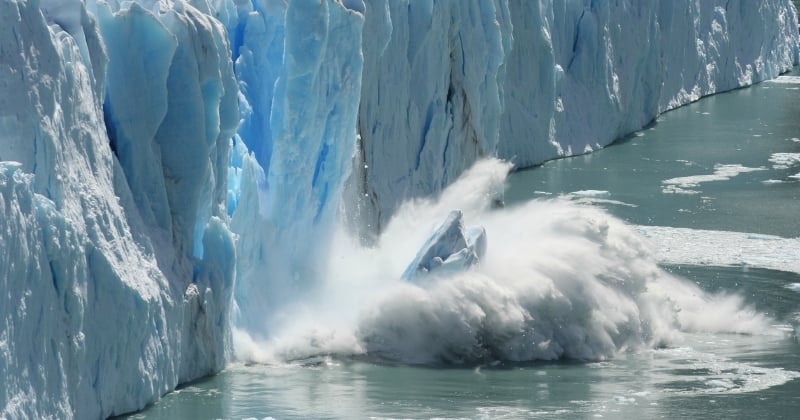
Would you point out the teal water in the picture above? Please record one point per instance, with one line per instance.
(721, 164)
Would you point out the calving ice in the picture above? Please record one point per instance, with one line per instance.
(178, 173)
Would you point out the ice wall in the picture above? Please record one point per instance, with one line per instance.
(434, 74)
(616, 65)
(542, 79)
(117, 266)
(299, 68)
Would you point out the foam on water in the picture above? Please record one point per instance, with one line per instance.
(559, 280)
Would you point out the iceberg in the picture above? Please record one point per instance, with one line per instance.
(171, 170)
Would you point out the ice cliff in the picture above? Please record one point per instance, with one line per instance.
(168, 167)
(117, 263)
(447, 82)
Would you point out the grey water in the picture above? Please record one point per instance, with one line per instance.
(723, 163)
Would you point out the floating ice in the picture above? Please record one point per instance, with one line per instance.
(784, 160)
(704, 247)
(687, 184)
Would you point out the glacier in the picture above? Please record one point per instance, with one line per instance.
(108, 301)
(540, 80)
(172, 172)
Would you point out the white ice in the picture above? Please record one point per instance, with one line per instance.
(689, 184)
(718, 248)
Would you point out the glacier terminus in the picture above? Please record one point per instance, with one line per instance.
(176, 175)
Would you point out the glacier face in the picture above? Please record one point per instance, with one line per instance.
(106, 302)
(301, 135)
(432, 95)
(543, 79)
(170, 167)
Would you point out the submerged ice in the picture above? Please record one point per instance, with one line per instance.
(175, 172)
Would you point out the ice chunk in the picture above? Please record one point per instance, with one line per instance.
(449, 248)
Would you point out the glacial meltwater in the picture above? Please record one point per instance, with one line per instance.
(714, 190)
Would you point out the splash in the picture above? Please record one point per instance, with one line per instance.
(558, 280)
